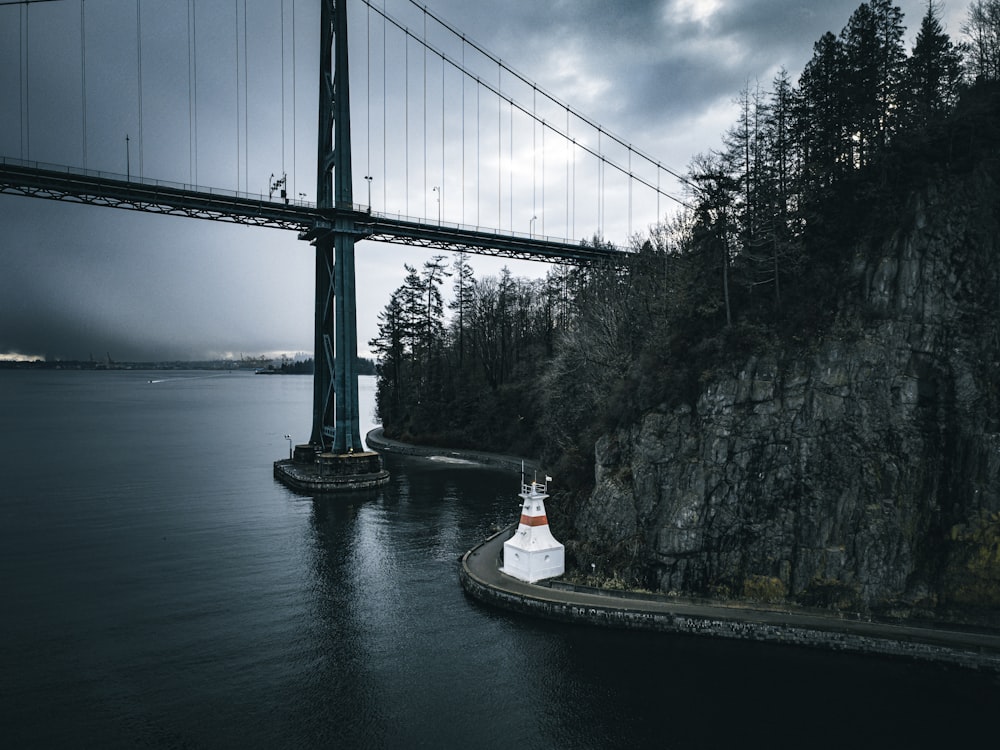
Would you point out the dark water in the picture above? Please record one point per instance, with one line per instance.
(159, 589)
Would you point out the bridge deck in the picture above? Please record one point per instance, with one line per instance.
(56, 182)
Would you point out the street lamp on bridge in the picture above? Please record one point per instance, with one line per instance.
(438, 191)
(368, 179)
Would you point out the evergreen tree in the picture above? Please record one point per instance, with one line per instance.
(390, 352)
(714, 224)
(463, 288)
(773, 250)
(821, 122)
(874, 60)
(934, 72)
(432, 320)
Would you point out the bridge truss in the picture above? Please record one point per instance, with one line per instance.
(60, 183)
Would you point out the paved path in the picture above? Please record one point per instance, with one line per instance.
(377, 441)
(482, 563)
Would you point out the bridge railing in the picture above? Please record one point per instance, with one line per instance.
(476, 228)
(149, 182)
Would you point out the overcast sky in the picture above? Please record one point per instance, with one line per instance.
(79, 281)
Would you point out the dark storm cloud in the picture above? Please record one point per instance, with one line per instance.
(670, 59)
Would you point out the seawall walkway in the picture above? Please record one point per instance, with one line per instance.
(377, 441)
(481, 578)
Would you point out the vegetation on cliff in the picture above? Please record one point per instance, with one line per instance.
(808, 228)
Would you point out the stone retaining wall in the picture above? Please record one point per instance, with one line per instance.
(619, 617)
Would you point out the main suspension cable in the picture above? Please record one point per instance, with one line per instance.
(502, 96)
(554, 99)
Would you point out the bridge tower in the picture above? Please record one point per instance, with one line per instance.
(335, 387)
(334, 458)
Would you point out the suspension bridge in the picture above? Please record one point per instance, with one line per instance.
(468, 154)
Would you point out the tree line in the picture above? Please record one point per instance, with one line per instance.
(809, 170)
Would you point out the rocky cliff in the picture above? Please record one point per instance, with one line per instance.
(861, 471)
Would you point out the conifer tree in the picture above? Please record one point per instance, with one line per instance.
(934, 72)
(821, 122)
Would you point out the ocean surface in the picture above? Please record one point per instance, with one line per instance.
(158, 589)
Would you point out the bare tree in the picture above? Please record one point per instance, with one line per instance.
(982, 27)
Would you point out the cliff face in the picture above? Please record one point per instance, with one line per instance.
(863, 473)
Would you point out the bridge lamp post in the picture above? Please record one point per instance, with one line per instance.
(368, 179)
(531, 225)
(289, 439)
(438, 191)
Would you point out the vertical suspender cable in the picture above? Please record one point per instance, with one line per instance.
(441, 191)
(510, 168)
(294, 133)
(194, 83)
(568, 149)
(385, 97)
(572, 233)
(27, 82)
(406, 123)
(190, 107)
(246, 106)
(83, 76)
(236, 37)
(657, 192)
(368, 104)
(463, 129)
(21, 72)
(283, 90)
(368, 100)
(193, 91)
(423, 109)
(138, 46)
(479, 161)
(600, 184)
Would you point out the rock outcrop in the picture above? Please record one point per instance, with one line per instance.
(862, 472)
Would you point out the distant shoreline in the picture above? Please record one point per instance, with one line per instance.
(365, 367)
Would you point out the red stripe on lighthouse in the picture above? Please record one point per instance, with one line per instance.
(534, 520)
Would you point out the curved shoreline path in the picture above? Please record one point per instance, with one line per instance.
(481, 578)
(377, 441)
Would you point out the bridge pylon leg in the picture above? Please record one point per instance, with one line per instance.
(334, 459)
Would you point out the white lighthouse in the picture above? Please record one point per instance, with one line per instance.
(533, 553)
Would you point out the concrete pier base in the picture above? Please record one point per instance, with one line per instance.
(312, 472)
